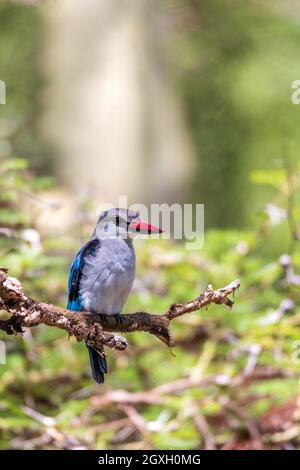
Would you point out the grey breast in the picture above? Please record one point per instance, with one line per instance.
(108, 276)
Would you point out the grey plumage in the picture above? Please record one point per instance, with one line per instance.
(107, 276)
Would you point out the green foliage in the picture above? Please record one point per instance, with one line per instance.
(274, 178)
(234, 64)
(49, 374)
(21, 39)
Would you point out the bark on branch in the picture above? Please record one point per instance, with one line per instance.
(96, 328)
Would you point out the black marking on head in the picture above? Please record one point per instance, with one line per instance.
(132, 215)
(103, 216)
(120, 217)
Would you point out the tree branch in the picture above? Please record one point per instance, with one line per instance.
(96, 328)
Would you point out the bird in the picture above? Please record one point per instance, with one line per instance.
(103, 271)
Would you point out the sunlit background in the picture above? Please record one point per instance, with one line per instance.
(184, 101)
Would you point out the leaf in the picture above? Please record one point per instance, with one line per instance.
(275, 177)
(14, 164)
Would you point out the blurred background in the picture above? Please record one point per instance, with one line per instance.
(163, 101)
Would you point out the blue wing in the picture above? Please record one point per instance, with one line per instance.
(97, 358)
(74, 298)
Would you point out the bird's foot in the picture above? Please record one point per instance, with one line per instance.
(118, 318)
(103, 318)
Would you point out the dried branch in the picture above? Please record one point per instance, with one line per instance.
(97, 328)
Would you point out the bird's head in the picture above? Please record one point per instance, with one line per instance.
(123, 223)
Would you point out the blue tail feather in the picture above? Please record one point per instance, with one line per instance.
(98, 364)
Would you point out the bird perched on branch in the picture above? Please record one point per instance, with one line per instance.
(103, 272)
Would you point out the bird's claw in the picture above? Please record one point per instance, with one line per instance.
(103, 318)
(118, 318)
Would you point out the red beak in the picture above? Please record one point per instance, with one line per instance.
(142, 227)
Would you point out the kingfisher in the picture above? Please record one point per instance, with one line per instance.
(103, 271)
